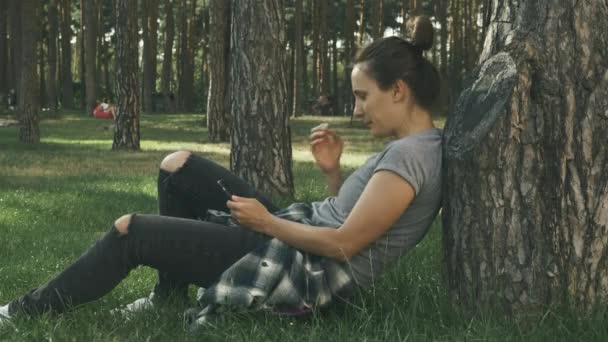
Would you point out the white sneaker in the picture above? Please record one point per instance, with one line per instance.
(5, 317)
(139, 305)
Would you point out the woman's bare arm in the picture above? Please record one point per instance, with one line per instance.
(382, 202)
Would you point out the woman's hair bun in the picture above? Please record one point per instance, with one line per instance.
(420, 29)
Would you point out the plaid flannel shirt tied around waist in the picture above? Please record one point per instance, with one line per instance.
(275, 276)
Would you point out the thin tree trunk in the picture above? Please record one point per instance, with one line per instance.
(405, 4)
(52, 59)
(90, 53)
(349, 50)
(218, 101)
(29, 97)
(298, 79)
(150, 49)
(315, 46)
(377, 19)
(14, 17)
(361, 24)
(81, 57)
(67, 92)
(4, 82)
(165, 83)
(525, 212)
(324, 61)
(261, 137)
(126, 131)
(41, 63)
(334, 59)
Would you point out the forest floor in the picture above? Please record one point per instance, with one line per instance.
(59, 196)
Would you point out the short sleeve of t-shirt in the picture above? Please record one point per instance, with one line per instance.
(402, 160)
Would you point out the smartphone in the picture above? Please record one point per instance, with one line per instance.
(224, 188)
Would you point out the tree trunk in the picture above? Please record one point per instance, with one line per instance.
(29, 97)
(4, 82)
(165, 83)
(261, 137)
(52, 58)
(349, 51)
(90, 53)
(298, 72)
(334, 62)
(525, 213)
(315, 46)
(324, 64)
(14, 16)
(67, 92)
(404, 15)
(377, 19)
(218, 105)
(41, 64)
(126, 131)
(186, 53)
(362, 19)
(150, 30)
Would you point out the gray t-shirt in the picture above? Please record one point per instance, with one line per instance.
(416, 158)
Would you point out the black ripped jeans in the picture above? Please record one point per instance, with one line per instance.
(182, 247)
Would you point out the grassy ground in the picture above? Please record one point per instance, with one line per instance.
(59, 196)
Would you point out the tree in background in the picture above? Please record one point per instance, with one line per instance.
(14, 17)
(525, 212)
(218, 101)
(166, 73)
(4, 82)
(67, 92)
(299, 93)
(126, 130)
(150, 31)
(51, 78)
(29, 97)
(261, 137)
(90, 52)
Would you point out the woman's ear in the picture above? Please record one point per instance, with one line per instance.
(400, 91)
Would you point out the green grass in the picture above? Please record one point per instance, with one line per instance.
(59, 196)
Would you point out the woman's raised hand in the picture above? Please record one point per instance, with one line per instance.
(326, 146)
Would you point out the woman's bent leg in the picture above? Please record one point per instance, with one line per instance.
(187, 188)
(193, 251)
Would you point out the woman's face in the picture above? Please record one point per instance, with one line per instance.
(379, 109)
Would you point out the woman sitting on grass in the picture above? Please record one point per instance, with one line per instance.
(293, 260)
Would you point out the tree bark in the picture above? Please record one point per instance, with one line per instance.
(218, 101)
(261, 137)
(4, 82)
(90, 53)
(150, 49)
(14, 17)
(165, 83)
(28, 96)
(52, 58)
(315, 13)
(67, 92)
(126, 131)
(377, 19)
(41, 63)
(298, 72)
(349, 50)
(525, 213)
(362, 19)
(324, 62)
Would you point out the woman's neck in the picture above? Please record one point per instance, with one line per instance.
(419, 120)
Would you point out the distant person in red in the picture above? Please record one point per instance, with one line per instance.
(104, 110)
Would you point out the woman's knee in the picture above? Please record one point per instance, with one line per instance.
(175, 160)
(122, 224)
